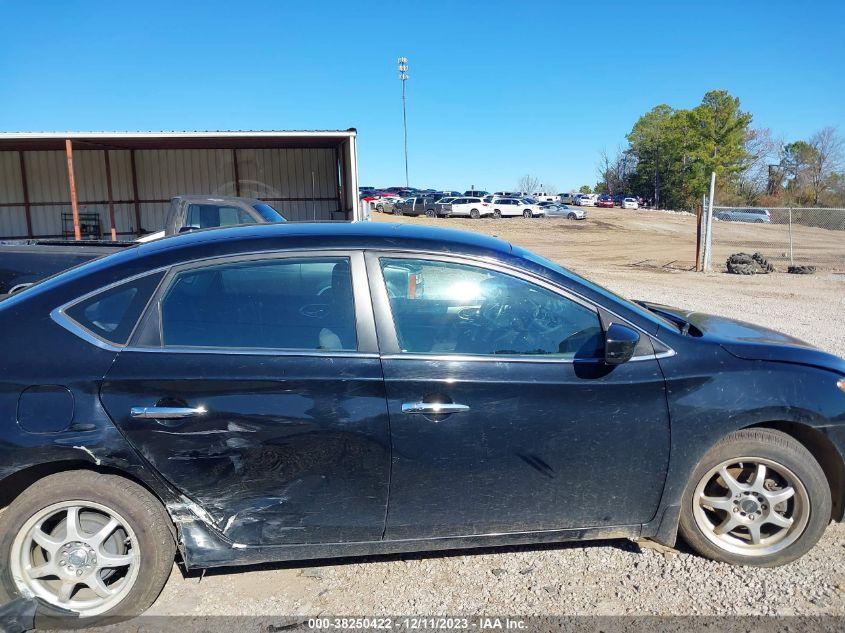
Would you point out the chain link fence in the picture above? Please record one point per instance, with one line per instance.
(786, 236)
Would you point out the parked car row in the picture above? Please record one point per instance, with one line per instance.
(422, 201)
(475, 207)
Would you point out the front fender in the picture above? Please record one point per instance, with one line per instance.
(718, 393)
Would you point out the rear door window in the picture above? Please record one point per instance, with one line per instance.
(285, 304)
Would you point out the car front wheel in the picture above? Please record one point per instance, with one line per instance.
(526, 214)
(758, 497)
(474, 214)
(96, 545)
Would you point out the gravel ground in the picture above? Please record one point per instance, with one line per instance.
(596, 578)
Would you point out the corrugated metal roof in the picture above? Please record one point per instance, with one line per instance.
(146, 133)
(198, 139)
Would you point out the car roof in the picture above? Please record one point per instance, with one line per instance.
(229, 199)
(325, 234)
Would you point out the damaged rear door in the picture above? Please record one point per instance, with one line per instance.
(254, 387)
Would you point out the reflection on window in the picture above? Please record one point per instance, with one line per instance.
(445, 308)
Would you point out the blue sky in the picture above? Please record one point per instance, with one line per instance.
(496, 90)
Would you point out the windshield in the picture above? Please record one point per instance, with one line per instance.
(268, 213)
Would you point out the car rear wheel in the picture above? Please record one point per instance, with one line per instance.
(380, 207)
(97, 545)
(497, 214)
(430, 213)
(526, 214)
(474, 214)
(758, 497)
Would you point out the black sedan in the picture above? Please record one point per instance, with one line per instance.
(299, 391)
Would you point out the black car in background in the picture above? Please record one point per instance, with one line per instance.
(296, 391)
(416, 205)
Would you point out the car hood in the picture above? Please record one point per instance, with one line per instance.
(752, 342)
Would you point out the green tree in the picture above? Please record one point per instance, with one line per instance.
(585, 189)
(675, 150)
(719, 130)
(654, 142)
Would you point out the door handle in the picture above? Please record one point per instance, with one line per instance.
(433, 408)
(166, 413)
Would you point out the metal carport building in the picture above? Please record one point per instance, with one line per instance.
(113, 184)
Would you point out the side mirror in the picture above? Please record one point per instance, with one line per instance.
(620, 342)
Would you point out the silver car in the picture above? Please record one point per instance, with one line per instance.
(565, 211)
(758, 216)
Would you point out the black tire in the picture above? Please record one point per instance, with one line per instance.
(380, 207)
(801, 270)
(142, 511)
(571, 216)
(430, 213)
(742, 269)
(398, 211)
(474, 214)
(781, 450)
(497, 214)
(740, 258)
(527, 214)
(763, 263)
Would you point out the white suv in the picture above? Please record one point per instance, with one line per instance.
(513, 207)
(586, 199)
(466, 207)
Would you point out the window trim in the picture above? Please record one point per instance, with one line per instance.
(150, 323)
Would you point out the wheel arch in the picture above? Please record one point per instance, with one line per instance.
(825, 452)
(14, 484)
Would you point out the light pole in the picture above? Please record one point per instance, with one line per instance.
(403, 77)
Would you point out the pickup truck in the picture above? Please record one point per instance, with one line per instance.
(24, 262)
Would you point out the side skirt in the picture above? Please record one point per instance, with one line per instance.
(202, 547)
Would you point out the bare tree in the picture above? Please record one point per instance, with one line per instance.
(604, 169)
(828, 160)
(528, 183)
(762, 174)
(615, 173)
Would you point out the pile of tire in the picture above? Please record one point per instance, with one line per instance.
(745, 264)
(801, 270)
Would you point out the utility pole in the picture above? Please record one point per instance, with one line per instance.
(403, 77)
(708, 226)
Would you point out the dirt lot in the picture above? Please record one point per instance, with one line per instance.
(627, 253)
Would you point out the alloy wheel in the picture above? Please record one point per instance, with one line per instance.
(751, 506)
(76, 555)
